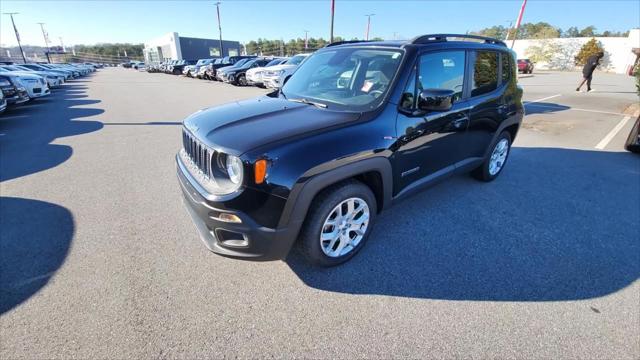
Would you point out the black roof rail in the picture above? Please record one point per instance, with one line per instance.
(426, 39)
(336, 43)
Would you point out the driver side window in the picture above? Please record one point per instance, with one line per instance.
(442, 70)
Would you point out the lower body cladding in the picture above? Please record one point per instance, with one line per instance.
(246, 239)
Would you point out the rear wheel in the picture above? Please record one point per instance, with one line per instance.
(338, 223)
(496, 159)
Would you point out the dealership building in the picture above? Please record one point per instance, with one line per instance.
(171, 46)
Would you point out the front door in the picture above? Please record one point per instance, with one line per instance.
(429, 144)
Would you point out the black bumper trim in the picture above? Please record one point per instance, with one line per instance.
(264, 244)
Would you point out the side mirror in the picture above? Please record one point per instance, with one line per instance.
(436, 99)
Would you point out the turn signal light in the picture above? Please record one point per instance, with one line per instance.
(229, 218)
(260, 171)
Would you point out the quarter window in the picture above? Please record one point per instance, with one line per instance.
(485, 73)
(507, 69)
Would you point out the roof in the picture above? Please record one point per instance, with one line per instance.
(432, 39)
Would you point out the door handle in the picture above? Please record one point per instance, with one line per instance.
(460, 122)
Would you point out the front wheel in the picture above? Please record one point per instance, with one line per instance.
(496, 159)
(242, 80)
(338, 224)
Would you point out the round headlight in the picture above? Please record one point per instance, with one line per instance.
(234, 169)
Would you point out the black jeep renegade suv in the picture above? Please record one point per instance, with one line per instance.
(358, 126)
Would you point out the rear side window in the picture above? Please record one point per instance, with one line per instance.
(485, 73)
(507, 67)
(442, 70)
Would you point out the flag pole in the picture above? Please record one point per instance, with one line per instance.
(515, 33)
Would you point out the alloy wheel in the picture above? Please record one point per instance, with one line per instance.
(498, 156)
(345, 227)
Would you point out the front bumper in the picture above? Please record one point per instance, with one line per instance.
(246, 240)
(271, 82)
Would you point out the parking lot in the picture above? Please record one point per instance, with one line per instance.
(99, 258)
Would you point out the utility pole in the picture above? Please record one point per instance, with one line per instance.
(366, 35)
(62, 44)
(306, 39)
(46, 41)
(17, 35)
(219, 28)
(333, 10)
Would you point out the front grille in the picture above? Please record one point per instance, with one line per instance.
(197, 152)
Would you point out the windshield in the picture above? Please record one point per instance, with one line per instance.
(295, 60)
(241, 62)
(22, 68)
(273, 62)
(249, 63)
(349, 78)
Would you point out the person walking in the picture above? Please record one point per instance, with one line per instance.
(587, 71)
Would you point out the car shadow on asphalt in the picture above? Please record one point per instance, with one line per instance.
(543, 108)
(29, 130)
(557, 225)
(34, 243)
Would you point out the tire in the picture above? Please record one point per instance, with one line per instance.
(324, 207)
(485, 172)
(633, 140)
(241, 80)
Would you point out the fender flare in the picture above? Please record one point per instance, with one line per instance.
(304, 192)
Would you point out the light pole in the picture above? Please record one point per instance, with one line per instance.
(46, 41)
(366, 35)
(62, 44)
(219, 28)
(306, 39)
(17, 35)
(333, 10)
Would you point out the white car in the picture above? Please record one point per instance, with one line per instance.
(35, 85)
(53, 80)
(254, 75)
(275, 76)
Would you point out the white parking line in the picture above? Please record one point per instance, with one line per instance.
(543, 99)
(605, 141)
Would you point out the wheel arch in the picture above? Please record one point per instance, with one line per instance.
(373, 172)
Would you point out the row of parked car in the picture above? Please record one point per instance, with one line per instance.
(20, 83)
(246, 70)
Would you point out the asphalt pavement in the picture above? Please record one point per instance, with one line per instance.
(99, 258)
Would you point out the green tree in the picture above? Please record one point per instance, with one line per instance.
(589, 31)
(591, 47)
(572, 32)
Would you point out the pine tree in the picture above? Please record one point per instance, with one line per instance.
(591, 47)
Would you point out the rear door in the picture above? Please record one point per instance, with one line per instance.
(486, 102)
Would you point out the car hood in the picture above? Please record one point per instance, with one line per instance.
(238, 127)
(280, 67)
(225, 68)
(26, 75)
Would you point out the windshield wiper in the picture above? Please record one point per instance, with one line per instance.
(305, 101)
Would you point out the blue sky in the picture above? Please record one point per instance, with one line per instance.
(88, 22)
